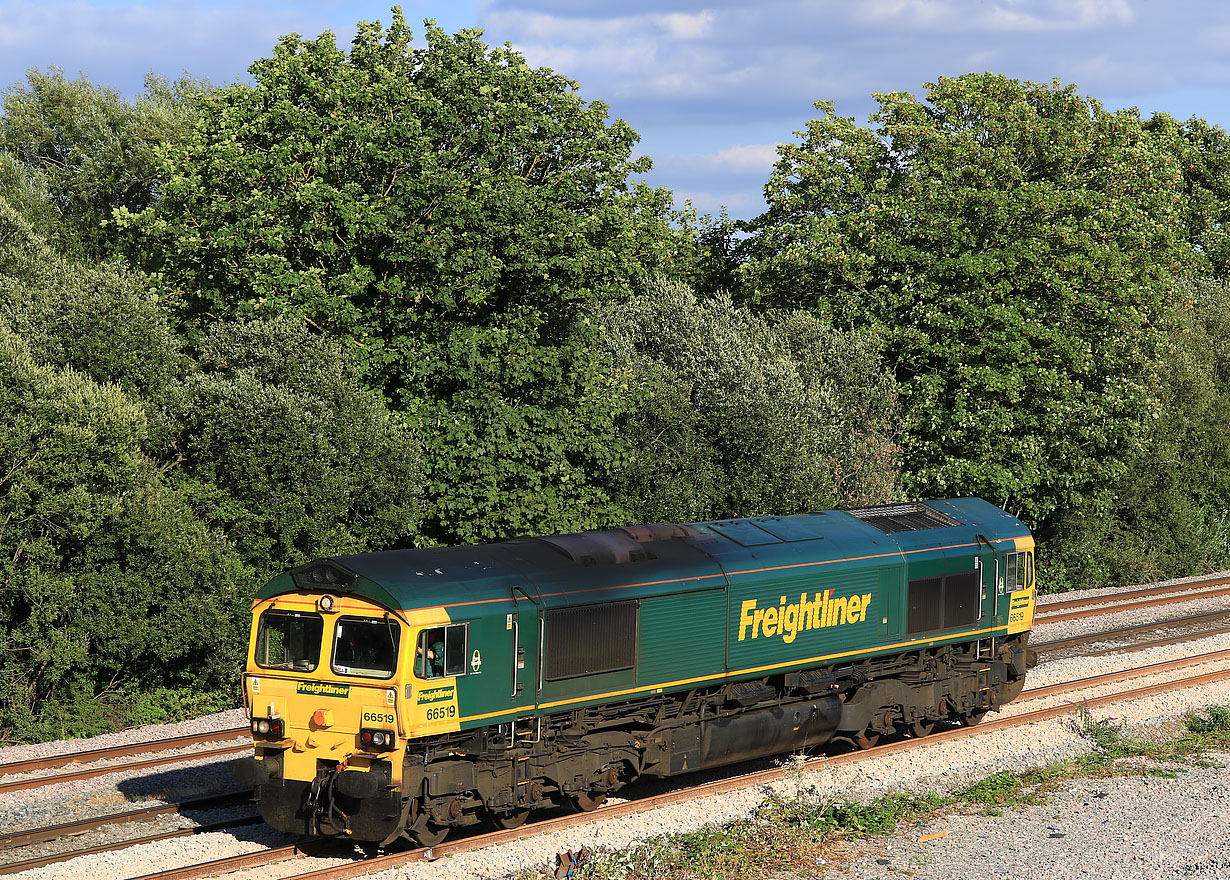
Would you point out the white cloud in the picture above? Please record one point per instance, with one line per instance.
(899, 12)
(679, 26)
(1060, 15)
(739, 159)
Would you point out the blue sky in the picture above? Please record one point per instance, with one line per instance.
(711, 87)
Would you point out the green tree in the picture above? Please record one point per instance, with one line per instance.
(1012, 242)
(717, 252)
(1170, 513)
(92, 150)
(279, 446)
(406, 199)
(738, 414)
(445, 211)
(108, 582)
(96, 318)
(1203, 153)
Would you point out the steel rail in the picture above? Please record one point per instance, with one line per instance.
(1142, 593)
(124, 751)
(17, 839)
(1041, 616)
(1122, 630)
(387, 862)
(244, 862)
(42, 861)
(40, 781)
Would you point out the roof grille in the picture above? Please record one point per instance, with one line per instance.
(911, 517)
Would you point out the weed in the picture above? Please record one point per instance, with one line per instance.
(1212, 724)
(1106, 735)
(792, 832)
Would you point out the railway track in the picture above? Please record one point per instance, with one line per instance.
(1052, 612)
(1150, 597)
(17, 768)
(479, 841)
(56, 858)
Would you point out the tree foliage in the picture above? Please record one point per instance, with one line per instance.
(108, 580)
(416, 201)
(1169, 516)
(279, 446)
(97, 318)
(443, 210)
(1011, 241)
(1203, 154)
(91, 150)
(740, 415)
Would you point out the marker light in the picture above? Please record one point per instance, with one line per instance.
(325, 603)
(377, 740)
(268, 728)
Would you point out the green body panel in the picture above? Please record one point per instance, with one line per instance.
(692, 594)
(680, 636)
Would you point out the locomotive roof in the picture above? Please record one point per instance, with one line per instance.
(647, 560)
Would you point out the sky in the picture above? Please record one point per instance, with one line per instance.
(711, 87)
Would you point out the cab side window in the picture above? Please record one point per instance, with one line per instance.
(1012, 573)
(1018, 571)
(441, 651)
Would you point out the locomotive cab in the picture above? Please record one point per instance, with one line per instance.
(330, 689)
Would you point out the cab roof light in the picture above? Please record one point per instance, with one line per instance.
(323, 574)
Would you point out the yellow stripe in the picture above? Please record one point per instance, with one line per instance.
(725, 675)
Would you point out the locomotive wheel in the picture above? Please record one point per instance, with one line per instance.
(969, 719)
(921, 728)
(586, 801)
(512, 819)
(428, 833)
(866, 740)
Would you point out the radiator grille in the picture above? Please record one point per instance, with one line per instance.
(589, 640)
(903, 517)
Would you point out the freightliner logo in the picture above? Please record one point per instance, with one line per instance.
(323, 689)
(788, 620)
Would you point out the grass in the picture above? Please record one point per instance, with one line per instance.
(796, 835)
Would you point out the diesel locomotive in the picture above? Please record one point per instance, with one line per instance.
(409, 692)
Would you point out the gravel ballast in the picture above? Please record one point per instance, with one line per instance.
(1163, 838)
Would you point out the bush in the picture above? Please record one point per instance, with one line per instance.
(737, 414)
(279, 446)
(109, 581)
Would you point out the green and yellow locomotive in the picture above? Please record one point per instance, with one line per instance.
(407, 692)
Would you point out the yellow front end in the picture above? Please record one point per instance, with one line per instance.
(331, 691)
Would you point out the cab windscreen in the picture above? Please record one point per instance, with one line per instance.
(366, 646)
(289, 640)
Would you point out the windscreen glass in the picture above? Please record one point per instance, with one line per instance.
(366, 646)
(289, 640)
